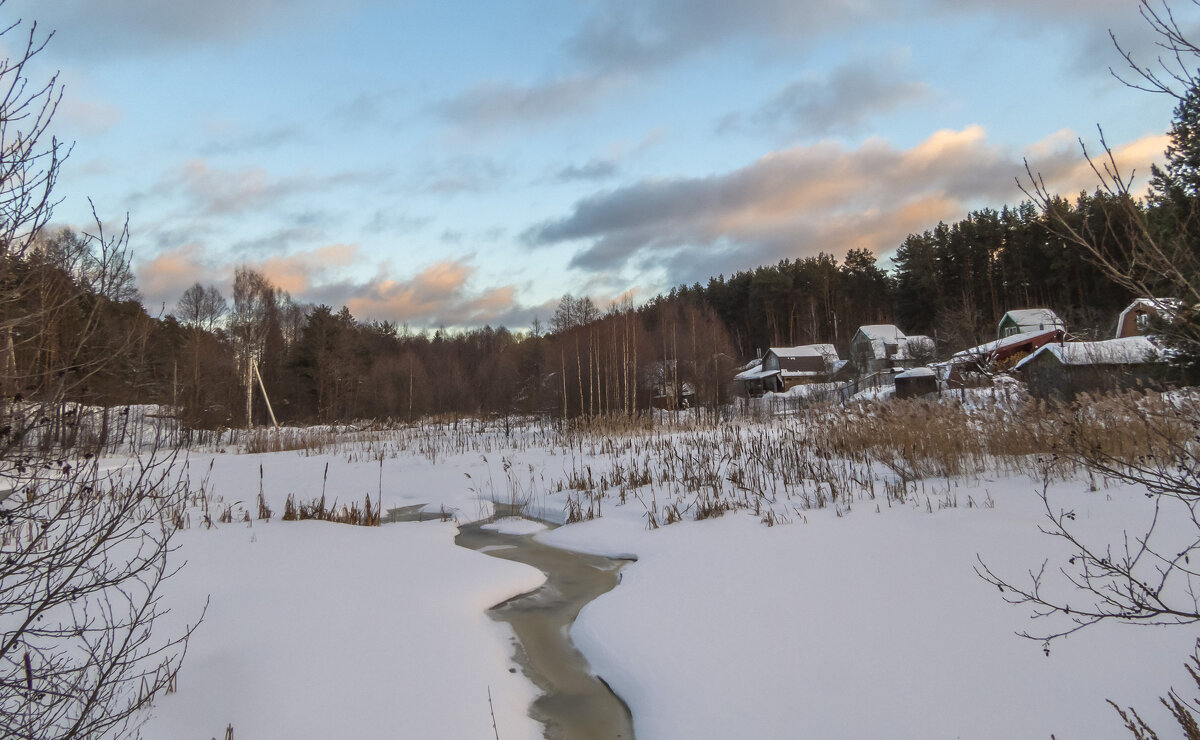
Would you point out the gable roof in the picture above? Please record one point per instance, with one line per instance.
(988, 348)
(806, 350)
(808, 360)
(1164, 308)
(1028, 319)
(1126, 351)
(888, 332)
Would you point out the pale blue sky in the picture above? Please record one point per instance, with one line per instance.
(456, 163)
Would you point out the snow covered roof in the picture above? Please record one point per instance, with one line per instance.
(754, 373)
(1164, 308)
(885, 332)
(879, 336)
(987, 348)
(1126, 351)
(805, 350)
(1028, 319)
(917, 372)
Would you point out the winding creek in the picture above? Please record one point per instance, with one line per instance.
(575, 704)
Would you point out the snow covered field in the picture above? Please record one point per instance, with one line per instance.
(863, 618)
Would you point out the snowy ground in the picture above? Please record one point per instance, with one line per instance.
(866, 623)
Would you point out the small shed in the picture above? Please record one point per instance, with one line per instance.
(916, 382)
(1026, 320)
(1138, 317)
(1065, 370)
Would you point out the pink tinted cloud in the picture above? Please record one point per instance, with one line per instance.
(440, 294)
(807, 199)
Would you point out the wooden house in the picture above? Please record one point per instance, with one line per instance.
(1139, 317)
(883, 346)
(1025, 320)
(782, 368)
(1066, 370)
(1001, 354)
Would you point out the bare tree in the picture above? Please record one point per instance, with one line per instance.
(201, 307)
(1146, 577)
(83, 555)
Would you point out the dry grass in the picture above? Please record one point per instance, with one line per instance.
(692, 466)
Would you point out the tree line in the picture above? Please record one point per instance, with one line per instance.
(952, 282)
(212, 357)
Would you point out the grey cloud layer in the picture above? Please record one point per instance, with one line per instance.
(841, 102)
(790, 203)
(640, 34)
(106, 27)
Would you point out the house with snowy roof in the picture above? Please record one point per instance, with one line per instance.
(782, 368)
(1139, 317)
(1068, 369)
(1002, 353)
(1025, 320)
(883, 346)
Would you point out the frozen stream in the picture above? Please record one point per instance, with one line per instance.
(575, 704)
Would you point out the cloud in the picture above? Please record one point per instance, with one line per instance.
(799, 201)
(496, 104)
(461, 175)
(249, 141)
(91, 28)
(396, 222)
(441, 294)
(163, 279)
(645, 34)
(229, 192)
(842, 101)
(305, 229)
(593, 169)
(299, 273)
(217, 191)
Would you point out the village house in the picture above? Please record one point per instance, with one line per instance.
(1138, 318)
(782, 368)
(1000, 354)
(1065, 370)
(883, 346)
(1024, 320)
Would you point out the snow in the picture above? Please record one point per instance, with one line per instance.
(917, 372)
(755, 373)
(515, 525)
(316, 630)
(868, 621)
(827, 351)
(1028, 319)
(1126, 351)
(987, 348)
(870, 625)
(882, 332)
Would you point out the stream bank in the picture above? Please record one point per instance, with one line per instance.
(575, 704)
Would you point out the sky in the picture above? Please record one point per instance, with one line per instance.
(456, 164)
